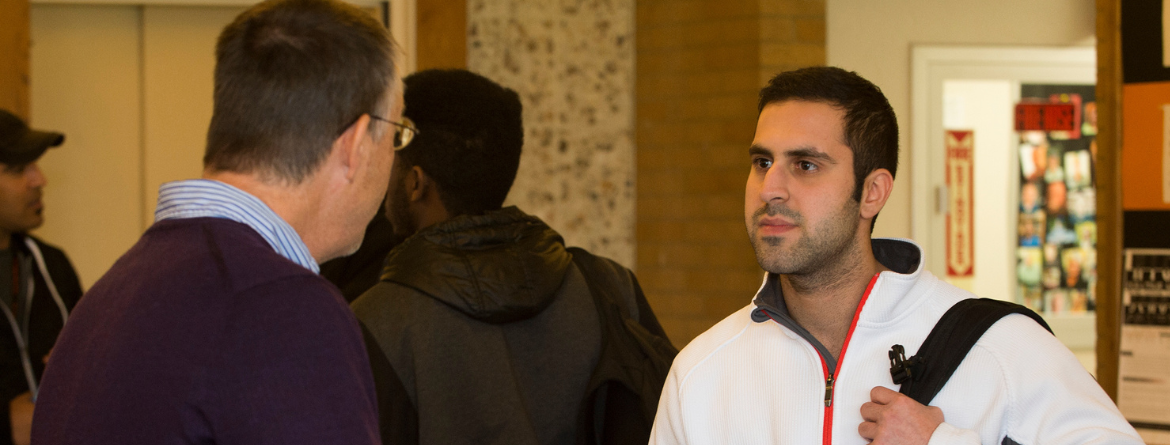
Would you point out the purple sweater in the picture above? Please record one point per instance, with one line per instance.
(201, 333)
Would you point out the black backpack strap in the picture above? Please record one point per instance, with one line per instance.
(605, 280)
(623, 390)
(924, 375)
(616, 283)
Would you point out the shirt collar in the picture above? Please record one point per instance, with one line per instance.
(204, 198)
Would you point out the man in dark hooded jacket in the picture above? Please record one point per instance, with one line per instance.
(482, 329)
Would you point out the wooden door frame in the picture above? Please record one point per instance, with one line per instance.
(14, 49)
(1109, 211)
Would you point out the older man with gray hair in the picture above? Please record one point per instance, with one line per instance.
(215, 327)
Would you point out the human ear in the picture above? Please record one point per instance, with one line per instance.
(875, 191)
(417, 183)
(350, 148)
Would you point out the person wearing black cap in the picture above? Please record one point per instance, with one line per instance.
(38, 286)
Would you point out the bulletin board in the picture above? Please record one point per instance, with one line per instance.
(1143, 380)
(1057, 249)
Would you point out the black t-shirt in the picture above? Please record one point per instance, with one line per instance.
(6, 276)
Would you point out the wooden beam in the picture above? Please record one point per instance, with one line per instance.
(14, 56)
(1109, 211)
(442, 34)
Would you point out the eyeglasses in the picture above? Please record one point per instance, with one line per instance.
(404, 132)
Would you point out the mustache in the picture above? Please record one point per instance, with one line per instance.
(776, 209)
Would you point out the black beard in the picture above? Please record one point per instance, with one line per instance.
(398, 210)
(811, 252)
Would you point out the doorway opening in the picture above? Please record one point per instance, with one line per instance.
(1002, 211)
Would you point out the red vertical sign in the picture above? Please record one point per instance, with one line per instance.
(960, 193)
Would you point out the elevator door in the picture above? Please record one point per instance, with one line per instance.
(130, 86)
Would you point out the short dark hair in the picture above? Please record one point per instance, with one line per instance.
(871, 129)
(290, 77)
(470, 134)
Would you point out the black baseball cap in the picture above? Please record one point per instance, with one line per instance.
(20, 144)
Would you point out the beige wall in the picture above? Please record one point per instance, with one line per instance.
(874, 39)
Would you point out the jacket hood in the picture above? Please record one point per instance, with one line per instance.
(499, 267)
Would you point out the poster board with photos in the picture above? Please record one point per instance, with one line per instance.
(1057, 248)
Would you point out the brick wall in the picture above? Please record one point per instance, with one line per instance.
(792, 35)
(700, 64)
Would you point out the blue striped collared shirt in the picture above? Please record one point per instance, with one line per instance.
(204, 198)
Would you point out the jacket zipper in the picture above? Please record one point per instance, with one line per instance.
(827, 435)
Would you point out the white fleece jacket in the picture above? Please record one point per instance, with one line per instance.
(748, 382)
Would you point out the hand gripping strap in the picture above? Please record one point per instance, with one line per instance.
(924, 375)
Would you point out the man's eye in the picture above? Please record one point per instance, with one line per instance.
(806, 166)
(762, 163)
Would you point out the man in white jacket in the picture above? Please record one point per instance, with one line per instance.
(806, 362)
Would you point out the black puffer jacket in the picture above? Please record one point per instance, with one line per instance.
(45, 323)
(482, 331)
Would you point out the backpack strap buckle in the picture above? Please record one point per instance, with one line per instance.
(903, 369)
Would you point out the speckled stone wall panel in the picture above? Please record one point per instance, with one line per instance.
(572, 62)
